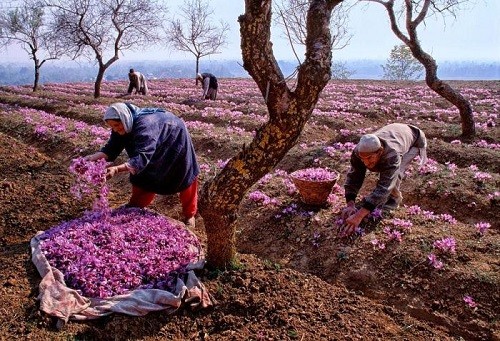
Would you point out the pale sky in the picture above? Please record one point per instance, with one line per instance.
(473, 36)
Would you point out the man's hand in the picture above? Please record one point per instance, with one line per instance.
(353, 221)
(111, 171)
(349, 210)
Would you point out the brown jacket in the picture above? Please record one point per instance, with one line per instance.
(397, 139)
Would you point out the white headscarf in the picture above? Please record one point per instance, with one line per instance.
(120, 111)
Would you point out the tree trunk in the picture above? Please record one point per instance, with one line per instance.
(441, 88)
(197, 68)
(98, 81)
(37, 74)
(100, 74)
(102, 69)
(288, 112)
(447, 92)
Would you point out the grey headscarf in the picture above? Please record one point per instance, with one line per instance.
(369, 143)
(120, 111)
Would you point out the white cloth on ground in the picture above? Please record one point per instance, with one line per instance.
(57, 299)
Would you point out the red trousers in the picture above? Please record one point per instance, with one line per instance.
(189, 199)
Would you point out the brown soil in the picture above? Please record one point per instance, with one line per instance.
(286, 287)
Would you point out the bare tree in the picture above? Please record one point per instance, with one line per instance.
(401, 65)
(292, 16)
(414, 13)
(341, 71)
(288, 112)
(195, 33)
(92, 28)
(27, 26)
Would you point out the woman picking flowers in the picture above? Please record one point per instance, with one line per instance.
(161, 160)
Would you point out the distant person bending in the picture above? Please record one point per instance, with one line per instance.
(209, 85)
(387, 151)
(137, 82)
(161, 160)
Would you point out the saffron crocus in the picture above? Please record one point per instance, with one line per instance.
(451, 167)
(482, 227)
(375, 214)
(448, 218)
(434, 261)
(262, 198)
(430, 167)
(482, 176)
(402, 224)
(393, 234)
(414, 210)
(470, 301)
(378, 244)
(222, 163)
(316, 238)
(445, 245)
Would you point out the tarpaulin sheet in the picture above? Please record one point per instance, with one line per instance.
(57, 299)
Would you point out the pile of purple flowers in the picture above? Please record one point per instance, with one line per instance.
(315, 174)
(107, 254)
(90, 181)
(111, 252)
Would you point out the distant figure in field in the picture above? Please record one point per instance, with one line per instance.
(137, 82)
(387, 151)
(209, 85)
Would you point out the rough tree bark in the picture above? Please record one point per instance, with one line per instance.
(38, 65)
(288, 112)
(197, 66)
(33, 48)
(102, 70)
(440, 87)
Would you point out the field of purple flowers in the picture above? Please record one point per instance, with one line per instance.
(429, 270)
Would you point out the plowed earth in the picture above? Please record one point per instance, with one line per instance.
(297, 280)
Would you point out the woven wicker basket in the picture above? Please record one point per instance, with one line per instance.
(314, 192)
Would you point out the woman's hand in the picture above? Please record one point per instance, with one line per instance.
(111, 171)
(96, 156)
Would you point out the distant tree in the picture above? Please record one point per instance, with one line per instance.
(195, 33)
(92, 28)
(27, 26)
(288, 110)
(341, 71)
(401, 65)
(292, 17)
(415, 13)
